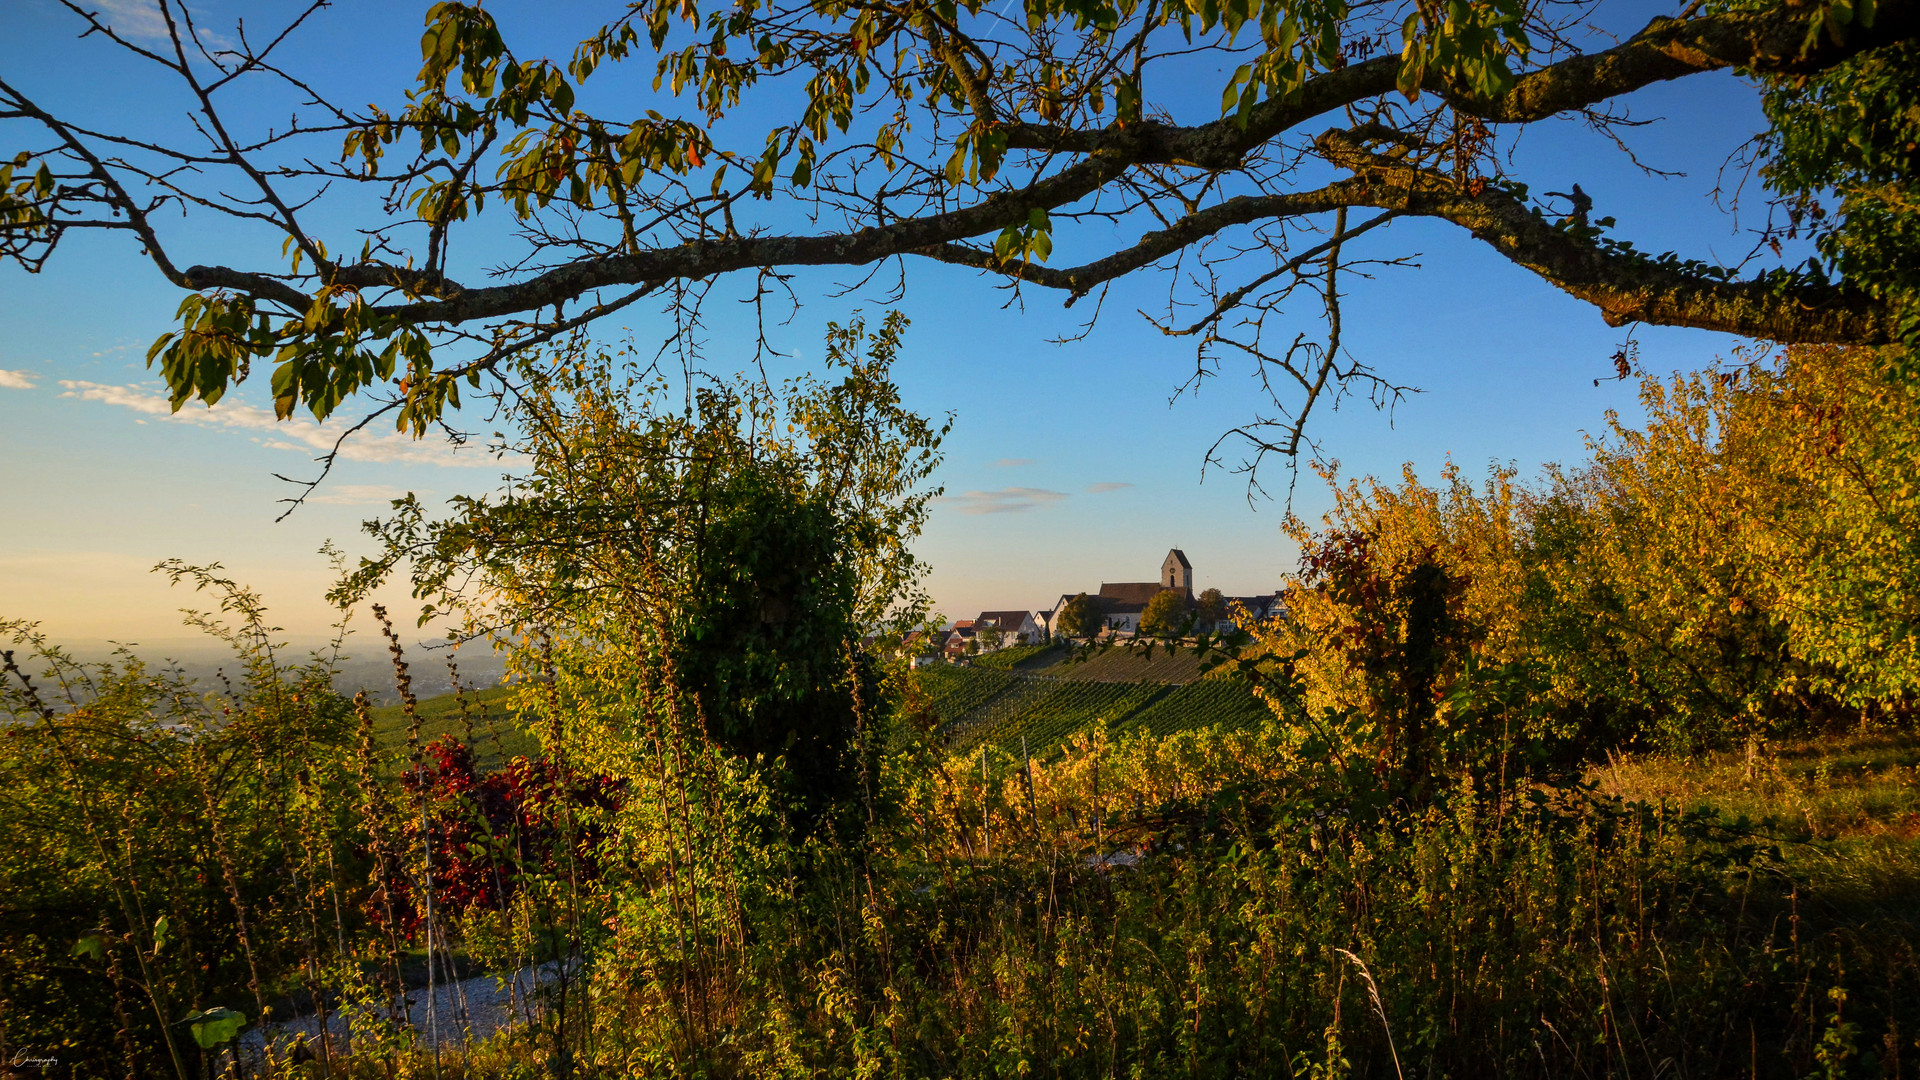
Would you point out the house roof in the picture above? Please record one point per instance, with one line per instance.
(1130, 592)
(1004, 620)
(1181, 557)
(1260, 607)
(963, 624)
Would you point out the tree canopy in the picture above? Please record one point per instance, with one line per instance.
(1080, 617)
(1742, 566)
(1209, 608)
(782, 134)
(732, 554)
(1169, 614)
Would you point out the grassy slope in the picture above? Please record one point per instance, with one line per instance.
(1050, 700)
(497, 734)
(1206, 703)
(1031, 694)
(1118, 665)
(1832, 788)
(1036, 714)
(1844, 811)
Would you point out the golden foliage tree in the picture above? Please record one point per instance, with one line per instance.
(1745, 562)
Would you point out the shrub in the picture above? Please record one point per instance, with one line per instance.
(1742, 567)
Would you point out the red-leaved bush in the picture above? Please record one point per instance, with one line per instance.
(487, 832)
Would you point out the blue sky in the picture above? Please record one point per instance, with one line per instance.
(1067, 465)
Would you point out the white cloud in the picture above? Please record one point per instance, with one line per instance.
(303, 435)
(137, 20)
(16, 380)
(1012, 462)
(355, 494)
(1105, 486)
(140, 21)
(1004, 501)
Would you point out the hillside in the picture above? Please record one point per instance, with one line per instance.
(1044, 698)
(497, 734)
(982, 706)
(1112, 665)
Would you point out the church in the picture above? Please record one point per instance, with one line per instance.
(1121, 603)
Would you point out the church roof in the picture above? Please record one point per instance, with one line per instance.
(1129, 592)
(1181, 557)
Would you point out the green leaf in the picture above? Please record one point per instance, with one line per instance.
(1413, 70)
(957, 165)
(1231, 95)
(803, 170)
(92, 945)
(161, 930)
(214, 1026)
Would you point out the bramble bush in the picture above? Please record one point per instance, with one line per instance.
(166, 851)
(182, 865)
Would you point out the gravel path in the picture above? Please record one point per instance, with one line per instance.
(470, 1010)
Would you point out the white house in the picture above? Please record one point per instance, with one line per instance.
(1014, 627)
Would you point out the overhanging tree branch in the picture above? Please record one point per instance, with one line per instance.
(1666, 50)
(1627, 287)
(950, 135)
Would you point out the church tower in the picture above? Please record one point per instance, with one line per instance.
(1176, 572)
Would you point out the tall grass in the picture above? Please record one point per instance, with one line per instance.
(1215, 902)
